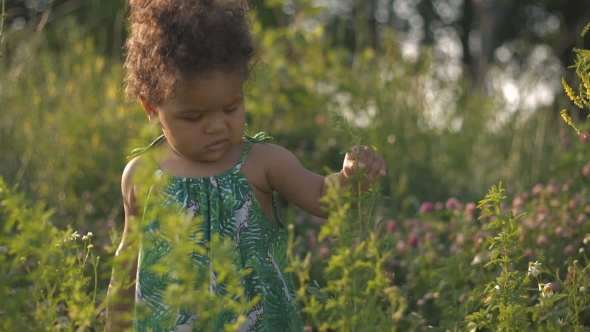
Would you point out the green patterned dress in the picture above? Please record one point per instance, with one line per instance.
(229, 208)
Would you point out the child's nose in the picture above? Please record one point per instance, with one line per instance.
(216, 124)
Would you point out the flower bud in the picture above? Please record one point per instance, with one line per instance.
(413, 240)
(391, 226)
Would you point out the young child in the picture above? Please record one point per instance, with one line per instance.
(187, 62)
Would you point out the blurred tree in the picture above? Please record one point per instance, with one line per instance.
(480, 27)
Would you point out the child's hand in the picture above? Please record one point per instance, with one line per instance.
(368, 158)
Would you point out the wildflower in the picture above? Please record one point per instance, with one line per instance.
(401, 247)
(75, 235)
(546, 290)
(552, 189)
(427, 207)
(452, 204)
(542, 240)
(517, 202)
(586, 170)
(537, 189)
(586, 239)
(89, 234)
(470, 208)
(58, 245)
(90, 246)
(391, 226)
(84, 238)
(570, 276)
(560, 321)
(582, 289)
(543, 209)
(584, 137)
(562, 133)
(472, 324)
(559, 231)
(528, 252)
(477, 260)
(413, 240)
(460, 239)
(438, 206)
(534, 268)
(569, 250)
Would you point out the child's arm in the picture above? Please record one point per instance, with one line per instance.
(121, 293)
(304, 188)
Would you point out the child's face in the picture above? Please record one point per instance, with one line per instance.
(206, 120)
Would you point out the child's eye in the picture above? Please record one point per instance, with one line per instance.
(194, 119)
(231, 110)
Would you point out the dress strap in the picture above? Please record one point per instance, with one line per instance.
(137, 151)
(262, 136)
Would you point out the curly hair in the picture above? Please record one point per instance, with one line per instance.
(172, 42)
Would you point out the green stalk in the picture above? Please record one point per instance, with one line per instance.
(95, 265)
(3, 15)
(360, 235)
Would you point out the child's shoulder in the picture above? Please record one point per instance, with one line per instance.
(269, 151)
(137, 168)
(272, 157)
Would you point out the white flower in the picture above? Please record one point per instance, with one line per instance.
(89, 234)
(75, 234)
(471, 324)
(534, 269)
(497, 287)
(582, 289)
(477, 260)
(90, 246)
(84, 238)
(546, 290)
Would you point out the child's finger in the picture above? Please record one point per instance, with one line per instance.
(367, 159)
(373, 172)
(355, 153)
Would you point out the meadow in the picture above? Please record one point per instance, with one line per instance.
(472, 229)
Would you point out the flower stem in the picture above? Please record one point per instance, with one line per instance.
(3, 15)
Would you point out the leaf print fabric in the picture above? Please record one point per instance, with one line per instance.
(228, 209)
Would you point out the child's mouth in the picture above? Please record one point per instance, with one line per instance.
(217, 145)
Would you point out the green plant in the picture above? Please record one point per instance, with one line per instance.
(358, 293)
(50, 275)
(509, 303)
(582, 97)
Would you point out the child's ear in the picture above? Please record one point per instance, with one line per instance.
(149, 108)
